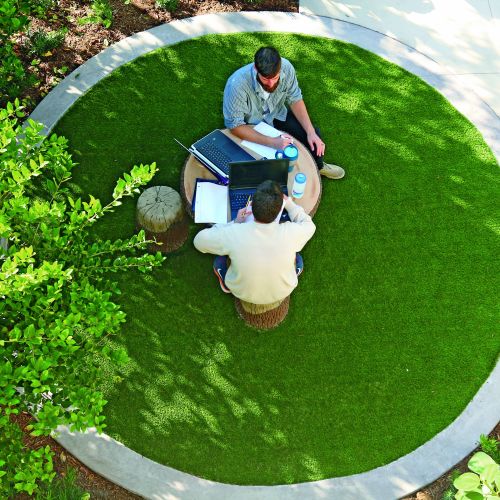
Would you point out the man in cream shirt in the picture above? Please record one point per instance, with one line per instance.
(258, 260)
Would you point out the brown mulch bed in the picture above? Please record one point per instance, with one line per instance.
(96, 485)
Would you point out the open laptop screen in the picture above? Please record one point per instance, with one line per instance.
(249, 174)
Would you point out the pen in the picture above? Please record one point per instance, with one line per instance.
(248, 201)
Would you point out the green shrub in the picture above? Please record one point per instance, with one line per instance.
(102, 13)
(490, 446)
(13, 77)
(13, 17)
(169, 5)
(63, 488)
(40, 8)
(41, 41)
(56, 308)
(482, 483)
(449, 493)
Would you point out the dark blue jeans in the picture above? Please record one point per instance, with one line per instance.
(221, 265)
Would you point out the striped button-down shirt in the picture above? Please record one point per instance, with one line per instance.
(245, 100)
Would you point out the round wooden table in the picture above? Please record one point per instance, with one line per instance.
(193, 169)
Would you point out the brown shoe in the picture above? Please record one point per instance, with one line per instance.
(332, 171)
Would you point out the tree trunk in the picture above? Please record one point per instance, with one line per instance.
(263, 316)
(161, 215)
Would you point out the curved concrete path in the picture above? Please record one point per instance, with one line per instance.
(401, 477)
(463, 36)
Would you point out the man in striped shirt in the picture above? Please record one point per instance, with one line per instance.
(267, 90)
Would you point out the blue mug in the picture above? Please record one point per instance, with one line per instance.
(291, 153)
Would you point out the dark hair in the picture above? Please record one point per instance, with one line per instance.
(267, 61)
(267, 201)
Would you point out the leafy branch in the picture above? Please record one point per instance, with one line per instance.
(57, 313)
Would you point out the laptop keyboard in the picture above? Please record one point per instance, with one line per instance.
(237, 200)
(216, 156)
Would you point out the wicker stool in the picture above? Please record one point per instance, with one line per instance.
(161, 215)
(263, 317)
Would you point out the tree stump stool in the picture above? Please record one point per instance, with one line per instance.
(263, 317)
(160, 213)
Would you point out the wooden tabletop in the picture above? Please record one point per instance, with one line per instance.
(193, 169)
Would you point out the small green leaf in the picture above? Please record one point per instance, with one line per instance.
(479, 461)
(468, 481)
(25, 172)
(17, 176)
(497, 480)
(489, 473)
(473, 495)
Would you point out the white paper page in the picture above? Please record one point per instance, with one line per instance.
(211, 203)
(264, 151)
(266, 129)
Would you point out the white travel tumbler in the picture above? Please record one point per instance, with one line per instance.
(299, 185)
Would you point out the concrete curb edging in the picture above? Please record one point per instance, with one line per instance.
(401, 477)
(141, 475)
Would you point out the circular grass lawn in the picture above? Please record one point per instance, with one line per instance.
(394, 325)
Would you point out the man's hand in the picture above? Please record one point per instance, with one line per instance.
(241, 216)
(246, 132)
(315, 142)
(282, 141)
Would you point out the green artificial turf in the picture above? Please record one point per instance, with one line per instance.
(394, 325)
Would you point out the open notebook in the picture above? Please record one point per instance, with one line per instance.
(211, 206)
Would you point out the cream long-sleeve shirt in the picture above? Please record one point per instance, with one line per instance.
(262, 269)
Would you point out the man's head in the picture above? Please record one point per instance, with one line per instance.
(268, 64)
(267, 201)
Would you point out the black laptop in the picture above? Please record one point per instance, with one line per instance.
(218, 150)
(244, 177)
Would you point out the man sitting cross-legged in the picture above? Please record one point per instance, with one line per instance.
(258, 261)
(268, 91)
